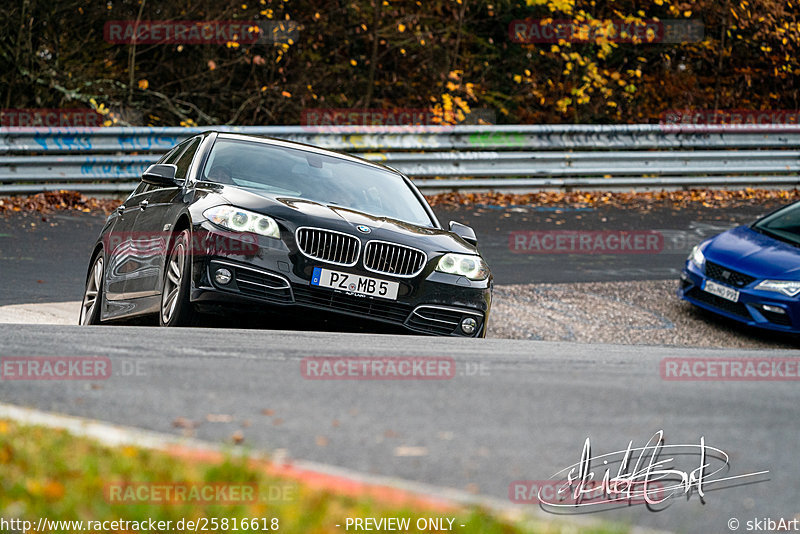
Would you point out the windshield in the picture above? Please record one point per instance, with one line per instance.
(784, 224)
(289, 172)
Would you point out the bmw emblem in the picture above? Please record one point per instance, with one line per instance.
(363, 229)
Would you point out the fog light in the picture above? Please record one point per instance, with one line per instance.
(469, 325)
(222, 276)
(773, 309)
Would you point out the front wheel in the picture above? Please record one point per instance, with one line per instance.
(93, 294)
(176, 310)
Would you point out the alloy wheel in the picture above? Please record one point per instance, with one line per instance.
(172, 285)
(92, 293)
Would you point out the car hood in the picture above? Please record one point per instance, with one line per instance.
(751, 252)
(296, 212)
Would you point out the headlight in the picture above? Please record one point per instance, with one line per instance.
(787, 287)
(697, 257)
(240, 220)
(473, 267)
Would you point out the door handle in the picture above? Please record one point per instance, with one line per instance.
(121, 209)
(143, 205)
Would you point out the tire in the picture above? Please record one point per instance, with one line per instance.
(175, 308)
(93, 293)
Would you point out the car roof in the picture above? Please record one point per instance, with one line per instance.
(302, 146)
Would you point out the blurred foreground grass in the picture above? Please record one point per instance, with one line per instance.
(50, 473)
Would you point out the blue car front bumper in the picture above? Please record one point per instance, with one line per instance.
(761, 309)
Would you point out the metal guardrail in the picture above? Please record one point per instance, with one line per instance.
(523, 157)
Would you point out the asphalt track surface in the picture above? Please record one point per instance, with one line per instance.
(516, 410)
(43, 258)
(523, 415)
(678, 231)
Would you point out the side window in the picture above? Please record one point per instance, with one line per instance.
(141, 188)
(185, 160)
(173, 154)
(167, 158)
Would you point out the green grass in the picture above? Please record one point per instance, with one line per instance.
(50, 473)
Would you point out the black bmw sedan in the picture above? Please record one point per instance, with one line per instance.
(242, 222)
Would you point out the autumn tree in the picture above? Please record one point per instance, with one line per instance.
(449, 56)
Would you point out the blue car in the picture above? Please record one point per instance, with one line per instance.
(751, 273)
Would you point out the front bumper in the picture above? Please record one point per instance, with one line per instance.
(754, 307)
(269, 275)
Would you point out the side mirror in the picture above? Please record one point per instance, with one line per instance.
(161, 174)
(464, 232)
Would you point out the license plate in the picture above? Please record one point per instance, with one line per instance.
(353, 283)
(728, 293)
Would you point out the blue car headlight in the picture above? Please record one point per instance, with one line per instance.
(472, 267)
(697, 257)
(787, 287)
(240, 220)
